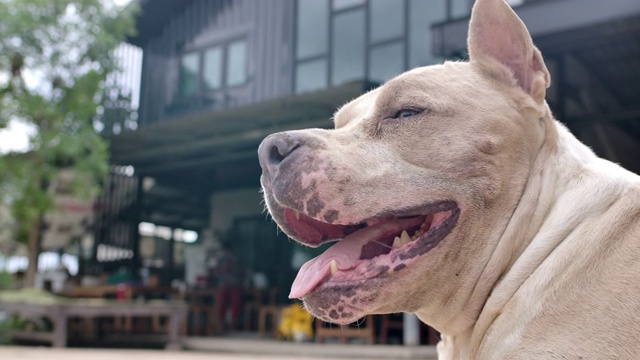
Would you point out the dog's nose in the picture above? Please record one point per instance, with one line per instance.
(274, 149)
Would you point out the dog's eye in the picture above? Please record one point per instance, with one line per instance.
(405, 113)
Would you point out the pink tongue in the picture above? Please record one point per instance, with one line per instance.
(346, 253)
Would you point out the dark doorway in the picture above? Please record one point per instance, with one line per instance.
(262, 248)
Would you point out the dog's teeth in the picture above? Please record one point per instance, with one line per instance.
(334, 267)
(297, 214)
(401, 240)
(405, 237)
(397, 242)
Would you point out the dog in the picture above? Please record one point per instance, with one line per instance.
(457, 196)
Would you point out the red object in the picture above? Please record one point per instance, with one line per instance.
(201, 281)
(230, 296)
(121, 292)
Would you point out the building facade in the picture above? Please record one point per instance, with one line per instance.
(214, 55)
(219, 75)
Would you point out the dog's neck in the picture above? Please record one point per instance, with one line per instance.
(516, 257)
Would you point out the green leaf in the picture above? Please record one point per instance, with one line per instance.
(68, 47)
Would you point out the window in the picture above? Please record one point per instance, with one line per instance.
(311, 75)
(237, 63)
(387, 19)
(189, 64)
(348, 40)
(423, 14)
(345, 40)
(312, 45)
(460, 8)
(386, 62)
(218, 66)
(212, 72)
(313, 28)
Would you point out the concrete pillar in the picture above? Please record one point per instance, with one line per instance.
(411, 330)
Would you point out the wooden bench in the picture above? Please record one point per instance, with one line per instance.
(268, 320)
(60, 313)
(203, 315)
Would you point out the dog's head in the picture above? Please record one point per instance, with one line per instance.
(418, 179)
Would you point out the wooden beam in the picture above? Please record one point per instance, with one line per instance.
(218, 147)
(208, 161)
(295, 107)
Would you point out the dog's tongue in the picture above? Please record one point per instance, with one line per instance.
(346, 253)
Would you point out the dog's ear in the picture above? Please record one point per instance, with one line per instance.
(496, 32)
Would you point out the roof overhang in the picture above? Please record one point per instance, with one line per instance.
(208, 143)
(192, 156)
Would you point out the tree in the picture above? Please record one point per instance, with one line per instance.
(55, 56)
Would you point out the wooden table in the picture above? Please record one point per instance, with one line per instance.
(59, 313)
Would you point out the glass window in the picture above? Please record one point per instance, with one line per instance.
(212, 68)
(423, 14)
(343, 4)
(347, 58)
(386, 62)
(313, 28)
(237, 63)
(311, 75)
(387, 19)
(189, 64)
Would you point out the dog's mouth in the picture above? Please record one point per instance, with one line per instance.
(367, 250)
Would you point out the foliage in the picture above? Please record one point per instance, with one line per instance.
(6, 280)
(54, 58)
(7, 326)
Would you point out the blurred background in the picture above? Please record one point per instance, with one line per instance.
(130, 130)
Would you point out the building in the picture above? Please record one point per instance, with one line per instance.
(220, 75)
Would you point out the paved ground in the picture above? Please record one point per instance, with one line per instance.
(287, 350)
(229, 348)
(42, 353)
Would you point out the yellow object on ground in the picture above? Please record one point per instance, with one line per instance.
(295, 324)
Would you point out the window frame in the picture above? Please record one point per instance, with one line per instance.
(343, 12)
(383, 41)
(381, 45)
(205, 89)
(404, 38)
(328, 56)
(201, 88)
(179, 92)
(225, 55)
(294, 46)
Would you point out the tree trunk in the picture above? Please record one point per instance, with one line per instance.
(33, 248)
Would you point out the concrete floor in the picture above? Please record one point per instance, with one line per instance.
(227, 349)
(289, 350)
(239, 347)
(42, 353)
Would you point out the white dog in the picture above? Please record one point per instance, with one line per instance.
(458, 197)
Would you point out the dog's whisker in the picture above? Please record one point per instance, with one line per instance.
(382, 244)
